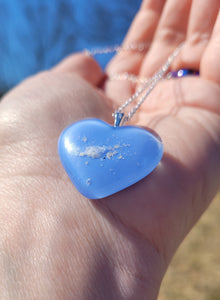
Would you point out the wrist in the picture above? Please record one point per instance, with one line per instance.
(71, 250)
(121, 264)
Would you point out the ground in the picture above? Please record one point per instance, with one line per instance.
(195, 270)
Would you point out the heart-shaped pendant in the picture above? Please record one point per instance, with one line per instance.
(101, 159)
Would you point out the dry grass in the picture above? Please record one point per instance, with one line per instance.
(195, 270)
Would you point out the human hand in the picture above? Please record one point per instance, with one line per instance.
(56, 243)
(184, 112)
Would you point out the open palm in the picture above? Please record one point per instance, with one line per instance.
(148, 220)
(185, 113)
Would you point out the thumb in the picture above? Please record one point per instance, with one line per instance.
(83, 65)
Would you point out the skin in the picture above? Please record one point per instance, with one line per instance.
(55, 243)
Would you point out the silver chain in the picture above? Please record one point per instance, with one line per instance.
(148, 86)
(117, 48)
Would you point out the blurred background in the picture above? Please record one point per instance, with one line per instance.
(35, 35)
(194, 273)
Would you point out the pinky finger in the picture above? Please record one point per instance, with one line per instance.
(211, 58)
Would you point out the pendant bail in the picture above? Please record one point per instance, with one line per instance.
(118, 116)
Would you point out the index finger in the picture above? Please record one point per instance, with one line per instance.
(141, 32)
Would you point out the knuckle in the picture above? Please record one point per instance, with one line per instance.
(9, 124)
(170, 36)
(198, 38)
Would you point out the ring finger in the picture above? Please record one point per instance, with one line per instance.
(170, 33)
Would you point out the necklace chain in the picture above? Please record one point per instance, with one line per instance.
(148, 84)
(117, 48)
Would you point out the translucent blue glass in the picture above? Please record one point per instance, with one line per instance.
(101, 159)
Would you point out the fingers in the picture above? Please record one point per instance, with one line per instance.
(211, 58)
(202, 19)
(141, 31)
(82, 65)
(170, 33)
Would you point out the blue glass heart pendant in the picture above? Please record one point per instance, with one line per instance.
(101, 159)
